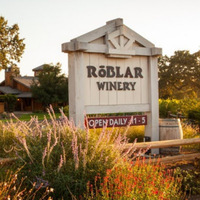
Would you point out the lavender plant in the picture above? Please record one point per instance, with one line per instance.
(60, 155)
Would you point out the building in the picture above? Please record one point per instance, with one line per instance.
(20, 86)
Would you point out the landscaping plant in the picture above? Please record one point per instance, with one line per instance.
(56, 154)
(60, 155)
(190, 132)
(11, 189)
(190, 179)
(181, 106)
(138, 181)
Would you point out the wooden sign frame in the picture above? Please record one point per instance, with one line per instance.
(113, 69)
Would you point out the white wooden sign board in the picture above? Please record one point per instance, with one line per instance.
(113, 69)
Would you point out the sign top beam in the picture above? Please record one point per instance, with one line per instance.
(114, 40)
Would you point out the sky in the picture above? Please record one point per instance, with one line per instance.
(45, 24)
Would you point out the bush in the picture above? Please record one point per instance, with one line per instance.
(59, 155)
(136, 181)
(135, 133)
(174, 106)
(132, 133)
(10, 101)
(11, 188)
(168, 106)
(191, 132)
(194, 115)
(190, 180)
(66, 110)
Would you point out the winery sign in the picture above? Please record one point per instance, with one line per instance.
(114, 72)
(113, 69)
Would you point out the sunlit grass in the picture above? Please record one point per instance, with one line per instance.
(40, 116)
(28, 116)
(60, 155)
(11, 188)
(132, 132)
(191, 132)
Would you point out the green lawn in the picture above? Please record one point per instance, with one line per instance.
(27, 117)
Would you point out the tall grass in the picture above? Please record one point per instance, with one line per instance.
(26, 116)
(56, 154)
(60, 155)
(132, 133)
(190, 131)
(11, 188)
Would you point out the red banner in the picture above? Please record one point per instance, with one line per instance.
(115, 121)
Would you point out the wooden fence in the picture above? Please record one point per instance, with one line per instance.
(157, 144)
(166, 143)
(171, 143)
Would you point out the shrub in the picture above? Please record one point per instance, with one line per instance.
(191, 132)
(168, 106)
(60, 155)
(136, 181)
(194, 115)
(132, 133)
(174, 106)
(135, 132)
(66, 110)
(11, 101)
(11, 188)
(190, 180)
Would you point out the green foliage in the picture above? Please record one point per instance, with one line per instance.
(10, 101)
(11, 46)
(174, 106)
(11, 188)
(179, 75)
(66, 110)
(167, 107)
(190, 180)
(194, 115)
(40, 116)
(60, 155)
(190, 108)
(136, 181)
(133, 133)
(51, 86)
(190, 132)
(5, 117)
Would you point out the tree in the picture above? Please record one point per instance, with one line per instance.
(179, 75)
(11, 46)
(51, 86)
(10, 101)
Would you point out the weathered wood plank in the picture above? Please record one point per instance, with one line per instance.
(166, 143)
(172, 159)
(119, 108)
(180, 158)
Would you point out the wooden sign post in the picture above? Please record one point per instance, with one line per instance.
(113, 69)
